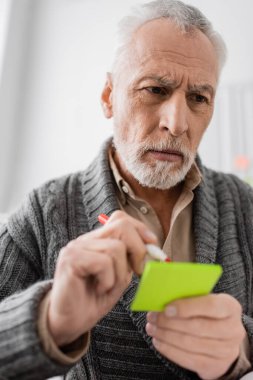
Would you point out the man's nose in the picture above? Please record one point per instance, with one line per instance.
(173, 115)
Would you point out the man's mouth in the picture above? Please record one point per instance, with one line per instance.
(166, 155)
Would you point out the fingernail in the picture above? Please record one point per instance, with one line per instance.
(150, 235)
(171, 311)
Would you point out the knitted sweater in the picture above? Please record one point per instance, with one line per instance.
(120, 349)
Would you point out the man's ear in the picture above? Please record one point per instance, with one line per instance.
(106, 97)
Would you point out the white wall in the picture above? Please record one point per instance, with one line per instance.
(227, 138)
(68, 49)
(4, 18)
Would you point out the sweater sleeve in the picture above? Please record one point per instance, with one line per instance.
(69, 354)
(22, 286)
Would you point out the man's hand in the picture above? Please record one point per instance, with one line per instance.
(91, 274)
(202, 334)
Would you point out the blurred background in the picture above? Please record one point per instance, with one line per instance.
(53, 58)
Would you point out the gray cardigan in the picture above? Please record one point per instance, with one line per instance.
(120, 349)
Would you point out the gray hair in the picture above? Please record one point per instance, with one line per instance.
(185, 16)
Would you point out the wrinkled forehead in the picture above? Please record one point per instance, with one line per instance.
(161, 41)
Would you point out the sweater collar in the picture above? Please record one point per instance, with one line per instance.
(98, 188)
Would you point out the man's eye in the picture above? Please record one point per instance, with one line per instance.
(199, 98)
(157, 90)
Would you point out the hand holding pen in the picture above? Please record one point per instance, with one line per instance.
(135, 236)
(153, 250)
(92, 272)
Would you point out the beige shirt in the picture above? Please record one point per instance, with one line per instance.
(178, 245)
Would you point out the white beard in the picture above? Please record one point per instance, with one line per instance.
(160, 174)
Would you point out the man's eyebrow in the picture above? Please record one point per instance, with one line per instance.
(162, 81)
(202, 88)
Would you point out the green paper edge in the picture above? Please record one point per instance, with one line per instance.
(162, 283)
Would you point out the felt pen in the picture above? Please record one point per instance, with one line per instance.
(155, 252)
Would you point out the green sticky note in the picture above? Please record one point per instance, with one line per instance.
(163, 282)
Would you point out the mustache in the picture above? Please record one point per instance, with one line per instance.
(164, 145)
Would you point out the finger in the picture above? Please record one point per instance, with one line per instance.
(206, 367)
(111, 247)
(117, 251)
(217, 306)
(125, 231)
(201, 327)
(130, 231)
(124, 234)
(213, 348)
(83, 264)
(106, 246)
(146, 234)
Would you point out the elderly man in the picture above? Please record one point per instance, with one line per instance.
(151, 183)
